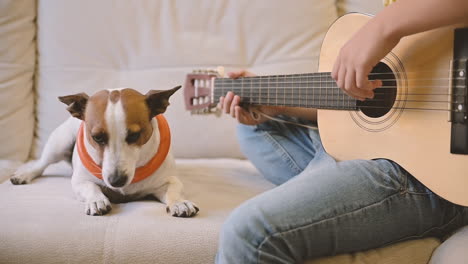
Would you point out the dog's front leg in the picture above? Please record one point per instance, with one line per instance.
(171, 195)
(90, 193)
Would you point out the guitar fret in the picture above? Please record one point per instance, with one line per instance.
(299, 90)
(268, 90)
(276, 92)
(320, 92)
(292, 91)
(307, 93)
(242, 88)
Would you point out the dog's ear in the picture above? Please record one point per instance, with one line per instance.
(158, 100)
(76, 104)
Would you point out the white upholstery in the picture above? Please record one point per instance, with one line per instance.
(17, 59)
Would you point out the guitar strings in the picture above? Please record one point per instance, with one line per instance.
(281, 89)
(338, 98)
(239, 85)
(333, 93)
(295, 96)
(355, 108)
(293, 83)
(299, 99)
(238, 82)
(321, 74)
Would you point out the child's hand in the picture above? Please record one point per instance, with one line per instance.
(229, 104)
(357, 58)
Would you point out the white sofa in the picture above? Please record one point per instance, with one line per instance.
(58, 47)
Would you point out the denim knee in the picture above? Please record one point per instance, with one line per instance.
(241, 234)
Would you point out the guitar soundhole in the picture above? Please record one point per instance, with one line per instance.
(384, 97)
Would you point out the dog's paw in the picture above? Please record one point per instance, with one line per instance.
(98, 207)
(17, 181)
(24, 174)
(182, 209)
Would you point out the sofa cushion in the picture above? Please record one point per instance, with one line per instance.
(43, 222)
(88, 45)
(17, 64)
(408, 252)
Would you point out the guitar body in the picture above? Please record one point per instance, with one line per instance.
(417, 140)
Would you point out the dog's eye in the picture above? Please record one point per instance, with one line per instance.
(101, 139)
(132, 137)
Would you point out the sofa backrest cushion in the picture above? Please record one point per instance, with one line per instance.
(88, 45)
(17, 65)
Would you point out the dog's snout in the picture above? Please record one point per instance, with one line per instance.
(118, 179)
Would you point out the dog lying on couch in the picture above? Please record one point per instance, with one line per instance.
(119, 145)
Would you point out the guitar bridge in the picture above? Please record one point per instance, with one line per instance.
(459, 94)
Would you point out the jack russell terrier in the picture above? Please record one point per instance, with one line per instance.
(119, 146)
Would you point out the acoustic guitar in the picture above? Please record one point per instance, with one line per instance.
(418, 117)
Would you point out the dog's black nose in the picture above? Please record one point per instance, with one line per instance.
(118, 179)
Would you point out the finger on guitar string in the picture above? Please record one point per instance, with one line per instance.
(335, 71)
(227, 102)
(220, 103)
(235, 102)
(350, 86)
(362, 82)
(243, 116)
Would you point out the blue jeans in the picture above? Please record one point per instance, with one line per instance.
(322, 207)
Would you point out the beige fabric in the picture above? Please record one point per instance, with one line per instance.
(17, 64)
(89, 45)
(408, 252)
(43, 222)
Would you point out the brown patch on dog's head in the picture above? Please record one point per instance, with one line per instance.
(139, 129)
(96, 128)
(114, 96)
(140, 110)
(92, 111)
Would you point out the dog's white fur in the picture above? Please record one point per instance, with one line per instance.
(162, 184)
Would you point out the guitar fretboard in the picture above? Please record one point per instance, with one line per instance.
(310, 90)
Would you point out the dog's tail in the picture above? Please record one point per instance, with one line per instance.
(7, 168)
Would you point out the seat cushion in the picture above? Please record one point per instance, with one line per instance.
(43, 222)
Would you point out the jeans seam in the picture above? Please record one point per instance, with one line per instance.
(407, 190)
(319, 222)
(284, 154)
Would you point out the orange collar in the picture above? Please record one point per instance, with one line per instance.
(141, 173)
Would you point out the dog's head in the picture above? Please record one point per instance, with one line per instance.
(118, 124)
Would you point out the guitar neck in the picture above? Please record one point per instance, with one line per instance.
(310, 90)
